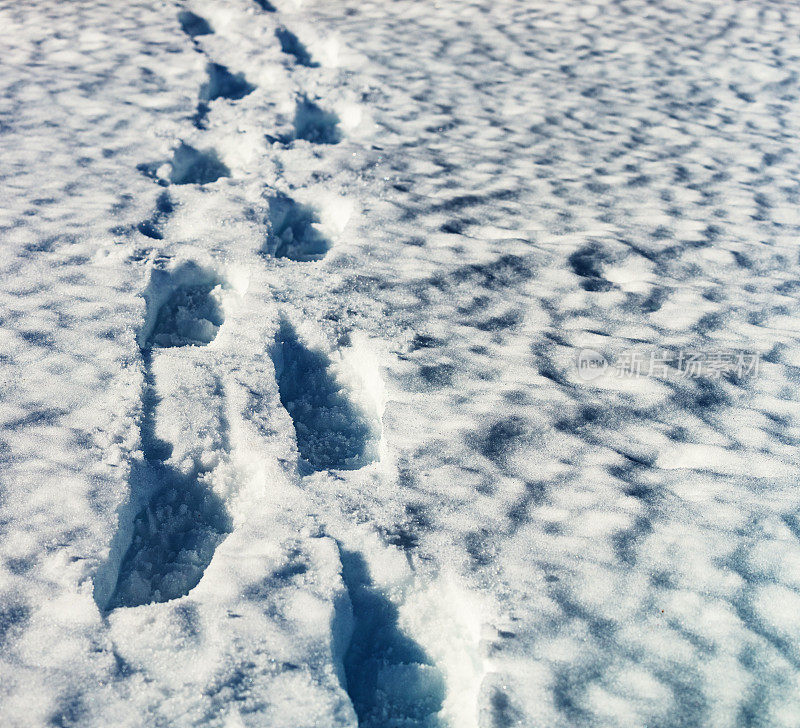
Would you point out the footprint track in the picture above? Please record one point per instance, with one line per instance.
(391, 681)
(194, 25)
(291, 46)
(179, 521)
(332, 432)
(174, 536)
(221, 84)
(292, 234)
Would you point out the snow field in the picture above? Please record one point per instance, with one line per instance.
(422, 212)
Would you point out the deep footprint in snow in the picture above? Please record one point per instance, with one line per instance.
(332, 432)
(174, 539)
(176, 534)
(190, 317)
(291, 46)
(292, 233)
(193, 25)
(391, 681)
(221, 84)
(153, 227)
(194, 166)
(312, 124)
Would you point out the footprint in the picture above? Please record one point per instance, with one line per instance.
(193, 166)
(313, 124)
(587, 263)
(391, 681)
(291, 46)
(292, 232)
(193, 25)
(153, 228)
(174, 538)
(191, 316)
(221, 84)
(175, 535)
(332, 432)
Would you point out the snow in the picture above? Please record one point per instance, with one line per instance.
(292, 427)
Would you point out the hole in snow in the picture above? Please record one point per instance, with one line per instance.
(193, 25)
(191, 316)
(174, 538)
(332, 432)
(314, 124)
(291, 46)
(221, 84)
(292, 233)
(391, 681)
(192, 166)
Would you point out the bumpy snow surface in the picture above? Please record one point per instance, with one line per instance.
(315, 408)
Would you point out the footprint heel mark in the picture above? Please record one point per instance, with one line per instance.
(291, 46)
(195, 166)
(332, 432)
(292, 233)
(154, 227)
(175, 535)
(391, 681)
(313, 124)
(193, 25)
(221, 84)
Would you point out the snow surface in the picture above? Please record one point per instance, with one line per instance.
(291, 428)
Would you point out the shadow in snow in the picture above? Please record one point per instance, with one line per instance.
(588, 264)
(153, 228)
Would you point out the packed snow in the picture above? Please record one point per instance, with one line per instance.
(410, 364)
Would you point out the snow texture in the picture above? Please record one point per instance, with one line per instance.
(292, 431)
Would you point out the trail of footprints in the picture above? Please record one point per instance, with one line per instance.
(176, 533)
(179, 520)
